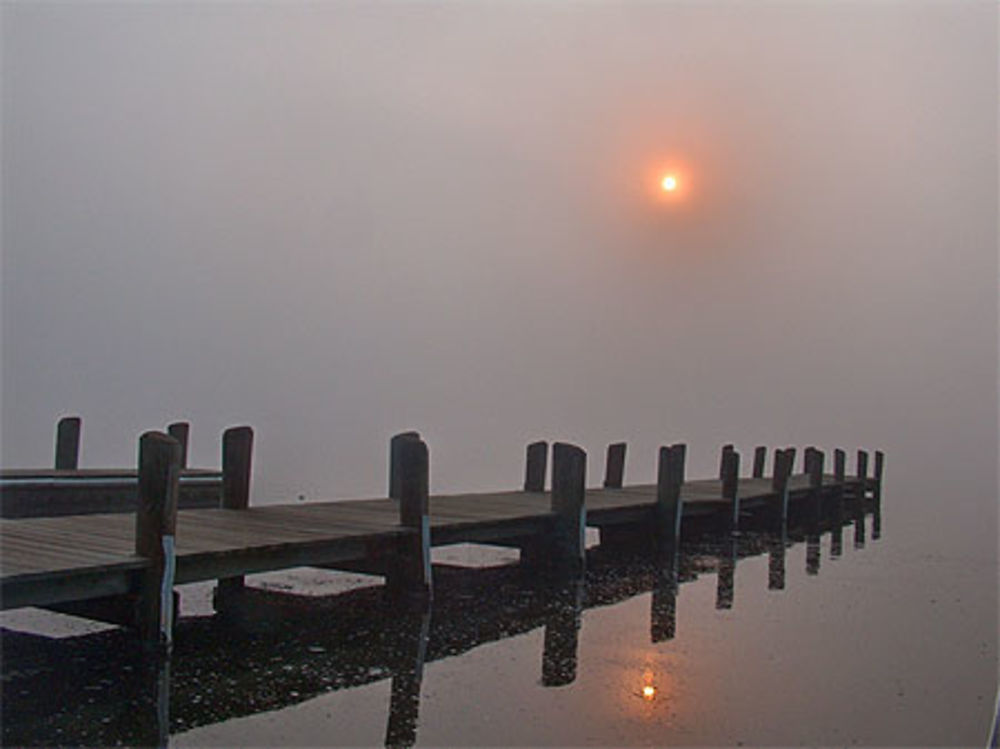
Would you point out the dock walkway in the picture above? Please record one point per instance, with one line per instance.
(52, 560)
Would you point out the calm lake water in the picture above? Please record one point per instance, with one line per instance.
(882, 634)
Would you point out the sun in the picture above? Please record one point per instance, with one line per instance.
(669, 183)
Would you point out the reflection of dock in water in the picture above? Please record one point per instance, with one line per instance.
(292, 648)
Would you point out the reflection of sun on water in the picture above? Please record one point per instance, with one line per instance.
(649, 692)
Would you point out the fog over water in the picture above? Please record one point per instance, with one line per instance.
(335, 221)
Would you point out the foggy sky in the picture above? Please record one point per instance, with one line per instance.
(335, 221)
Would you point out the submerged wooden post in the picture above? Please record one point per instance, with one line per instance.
(614, 470)
(535, 460)
(237, 453)
(669, 505)
(68, 443)
(180, 431)
(156, 521)
(394, 460)
(569, 475)
(409, 575)
(759, 460)
(730, 485)
(726, 450)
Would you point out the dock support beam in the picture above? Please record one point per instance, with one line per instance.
(569, 475)
(237, 452)
(156, 522)
(614, 472)
(408, 576)
(68, 443)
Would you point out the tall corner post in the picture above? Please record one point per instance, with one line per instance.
(394, 477)
(155, 527)
(67, 456)
(569, 475)
(408, 576)
(669, 505)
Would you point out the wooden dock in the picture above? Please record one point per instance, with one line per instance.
(122, 568)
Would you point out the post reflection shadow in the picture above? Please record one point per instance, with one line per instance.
(726, 590)
(562, 634)
(408, 673)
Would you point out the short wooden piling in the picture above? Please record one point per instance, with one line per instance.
(68, 443)
(669, 505)
(839, 466)
(779, 483)
(535, 463)
(408, 576)
(180, 431)
(569, 475)
(759, 461)
(815, 470)
(394, 461)
(156, 522)
(730, 485)
(237, 454)
(726, 450)
(614, 470)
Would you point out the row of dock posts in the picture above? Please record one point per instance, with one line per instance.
(68, 432)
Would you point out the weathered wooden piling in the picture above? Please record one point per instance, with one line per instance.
(730, 485)
(569, 475)
(779, 483)
(879, 465)
(839, 466)
(535, 463)
(614, 470)
(669, 505)
(726, 450)
(394, 461)
(181, 431)
(68, 443)
(862, 474)
(759, 461)
(408, 575)
(237, 455)
(156, 522)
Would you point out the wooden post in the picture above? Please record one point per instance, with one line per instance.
(409, 575)
(816, 468)
(779, 483)
(669, 505)
(68, 443)
(156, 521)
(237, 452)
(614, 473)
(759, 460)
(180, 430)
(394, 461)
(726, 449)
(862, 474)
(730, 482)
(569, 475)
(791, 457)
(535, 460)
(879, 465)
(839, 466)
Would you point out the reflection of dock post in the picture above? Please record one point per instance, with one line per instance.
(404, 700)
(237, 453)
(759, 461)
(663, 616)
(408, 573)
(569, 475)
(181, 431)
(562, 634)
(68, 443)
(730, 485)
(614, 470)
(156, 522)
(725, 592)
(534, 552)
